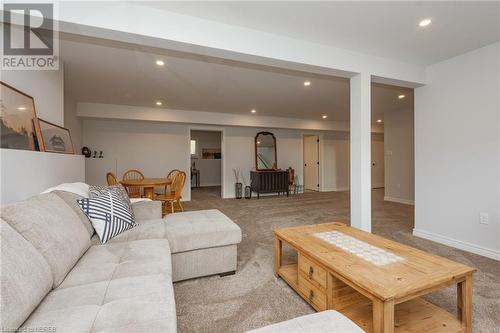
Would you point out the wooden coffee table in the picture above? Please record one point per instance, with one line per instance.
(375, 282)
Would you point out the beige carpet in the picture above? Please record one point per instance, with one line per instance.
(253, 297)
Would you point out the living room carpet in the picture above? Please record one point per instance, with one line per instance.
(254, 297)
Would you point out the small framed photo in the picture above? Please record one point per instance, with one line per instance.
(55, 139)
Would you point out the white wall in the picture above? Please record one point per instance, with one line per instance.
(152, 147)
(73, 123)
(210, 169)
(399, 155)
(157, 147)
(457, 152)
(26, 173)
(46, 87)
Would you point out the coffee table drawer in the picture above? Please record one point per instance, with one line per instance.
(312, 271)
(312, 294)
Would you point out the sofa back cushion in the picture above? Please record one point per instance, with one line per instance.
(25, 279)
(53, 228)
(71, 200)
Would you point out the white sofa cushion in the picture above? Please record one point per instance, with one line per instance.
(25, 278)
(200, 229)
(119, 287)
(53, 228)
(71, 200)
(321, 322)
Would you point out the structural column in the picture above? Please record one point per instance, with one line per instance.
(360, 145)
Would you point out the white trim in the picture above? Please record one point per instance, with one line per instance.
(469, 247)
(335, 189)
(400, 200)
(222, 130)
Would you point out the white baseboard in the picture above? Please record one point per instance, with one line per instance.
(399, 200)
(335, 189)
(469, 247)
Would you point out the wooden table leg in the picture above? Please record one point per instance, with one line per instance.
(148, 192)
(464, 303)
(277, 255)
(383, 316)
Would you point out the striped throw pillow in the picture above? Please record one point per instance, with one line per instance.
(108, 213)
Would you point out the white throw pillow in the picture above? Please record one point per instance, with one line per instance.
(80, 189)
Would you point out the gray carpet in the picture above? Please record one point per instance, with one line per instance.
(253, 297)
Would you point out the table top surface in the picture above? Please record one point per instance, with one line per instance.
(409, 271)
(146, 182)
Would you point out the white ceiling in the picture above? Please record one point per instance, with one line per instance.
(98, 71)
(387, 29)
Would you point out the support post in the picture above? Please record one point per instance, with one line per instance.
(360, 148)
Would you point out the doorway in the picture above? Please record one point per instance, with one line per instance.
(206, 164)
(378, 167)
(311, 162)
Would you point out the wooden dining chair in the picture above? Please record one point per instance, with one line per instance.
(111, 179)
(133, 192)
(168, 188)
(170, 198)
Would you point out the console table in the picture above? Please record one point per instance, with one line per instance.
(272, 181)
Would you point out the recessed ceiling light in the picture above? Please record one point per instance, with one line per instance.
(160, 62)
(324, 116)
(424, 22)
(21, 108)
(401, 96)
(307, 83)
(159, 103)
(379, 120)
(253, 111)
(258, 142)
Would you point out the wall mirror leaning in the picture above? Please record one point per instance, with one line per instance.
(265, 151)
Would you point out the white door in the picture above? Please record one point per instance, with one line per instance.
(377, 163)
(311, 163)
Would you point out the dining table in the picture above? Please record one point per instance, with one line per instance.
(148, 184)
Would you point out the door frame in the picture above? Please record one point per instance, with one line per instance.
(320, 157)
(222, 131)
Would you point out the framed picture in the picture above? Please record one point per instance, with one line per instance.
(55, 139)
(17, 119)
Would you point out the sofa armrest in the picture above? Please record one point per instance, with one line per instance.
(147, 210)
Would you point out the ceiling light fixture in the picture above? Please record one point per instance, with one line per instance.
(424, 22)
(160, 62)
(253, 111)
(21, 108)
(159, 103)
(401, 96)
(324, 116)
(379, 120)
(307, 83)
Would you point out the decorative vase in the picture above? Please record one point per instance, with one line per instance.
(248, 192)
(238, 190)
(86, 152)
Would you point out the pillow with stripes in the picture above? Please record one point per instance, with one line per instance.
(108, 213)
(97, 190)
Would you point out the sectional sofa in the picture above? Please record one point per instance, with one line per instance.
(56, 276)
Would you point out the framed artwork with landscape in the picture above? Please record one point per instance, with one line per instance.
(55, 139)
(18, 120)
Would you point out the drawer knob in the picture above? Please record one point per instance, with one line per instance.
(311, 295)
(311, 272)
